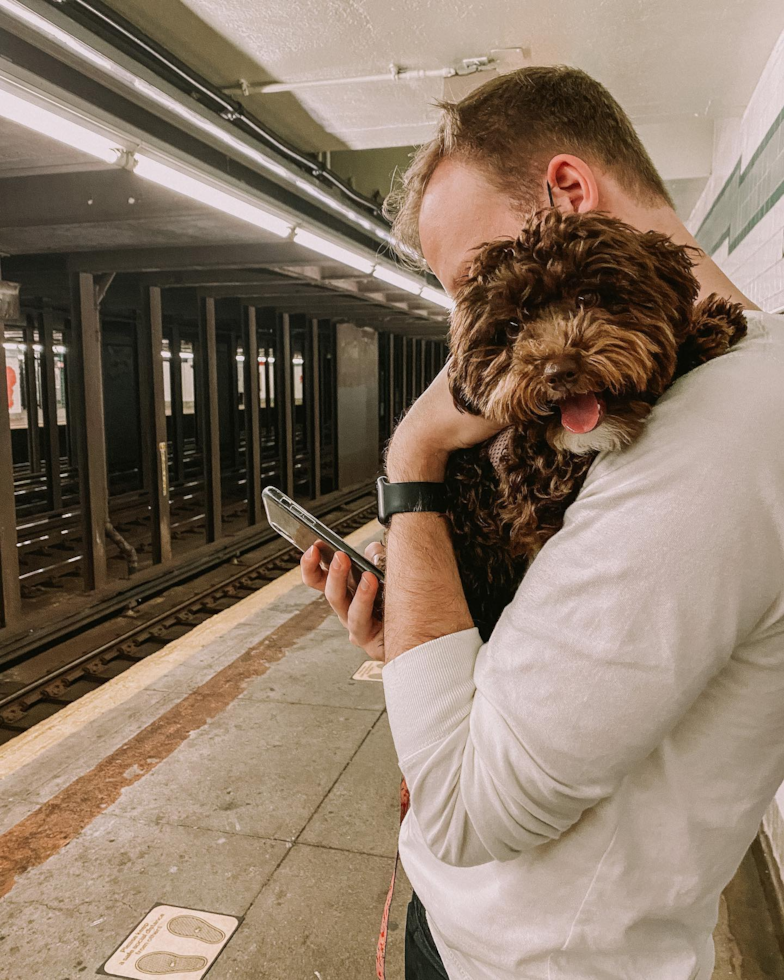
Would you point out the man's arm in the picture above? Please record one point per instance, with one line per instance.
(423, 594)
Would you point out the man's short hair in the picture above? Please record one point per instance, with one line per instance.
(511, 127)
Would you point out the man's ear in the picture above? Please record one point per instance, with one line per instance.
(573, 184)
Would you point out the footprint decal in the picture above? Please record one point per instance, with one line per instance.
(162, 963)
(192, 927)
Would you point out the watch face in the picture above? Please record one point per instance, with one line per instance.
(381, 484)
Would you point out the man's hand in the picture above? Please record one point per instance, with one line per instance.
(423, 589)
(357, 613)
(432, 429)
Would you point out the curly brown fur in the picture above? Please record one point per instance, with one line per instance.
(577, 305)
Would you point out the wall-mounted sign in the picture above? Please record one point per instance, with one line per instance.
(10, 311)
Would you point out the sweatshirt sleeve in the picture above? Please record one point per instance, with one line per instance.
(669, 558)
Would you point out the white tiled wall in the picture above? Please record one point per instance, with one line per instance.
(756, 265)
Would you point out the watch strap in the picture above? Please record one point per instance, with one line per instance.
(411, 497)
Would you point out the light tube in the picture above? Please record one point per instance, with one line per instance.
(335, 205)
(46, 27)
(332, 250)
(48, 123)
(398, 279)
(193, 117)
(63, 37)
(436, 296)
(204, 193)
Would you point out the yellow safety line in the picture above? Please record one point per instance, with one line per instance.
(24, 748)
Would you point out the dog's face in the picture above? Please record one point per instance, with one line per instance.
(575, 325)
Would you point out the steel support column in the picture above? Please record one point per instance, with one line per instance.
(146, 421)
(234, 395)
(156, 445)
(208, 416)
(404, 372)
(10, 595)
(315, 401)
(178, 423)
(391, 384)
(250, 347)
(49, 402)
(288, 403)
(31, 397)
(88, 416)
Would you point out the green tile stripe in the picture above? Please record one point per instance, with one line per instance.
(747, 195)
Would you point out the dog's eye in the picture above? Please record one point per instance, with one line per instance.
(587, 299)
(514, 324)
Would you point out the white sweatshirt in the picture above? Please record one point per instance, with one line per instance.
(585, 784)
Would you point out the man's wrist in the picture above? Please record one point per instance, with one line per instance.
(408, 462)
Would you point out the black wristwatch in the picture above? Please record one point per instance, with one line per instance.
(404, 498)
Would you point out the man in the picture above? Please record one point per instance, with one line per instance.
(584, 785)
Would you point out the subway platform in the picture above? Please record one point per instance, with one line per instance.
(230, 806)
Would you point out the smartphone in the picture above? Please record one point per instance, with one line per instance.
(302, 529)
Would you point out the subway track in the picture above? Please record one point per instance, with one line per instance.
(38, 686)
(49, 544)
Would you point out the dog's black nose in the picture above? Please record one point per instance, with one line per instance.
(561, 371)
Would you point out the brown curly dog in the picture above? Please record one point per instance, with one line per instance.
(567, 335)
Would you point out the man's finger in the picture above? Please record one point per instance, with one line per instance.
(312, 572)
(374, 551)
(336, 588)
(362, 626)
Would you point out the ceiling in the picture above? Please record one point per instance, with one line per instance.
(675, 67)
(662, 59)
(97, 218)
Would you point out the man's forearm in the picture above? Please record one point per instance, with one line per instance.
(423, 595)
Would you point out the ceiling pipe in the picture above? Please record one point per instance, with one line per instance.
(395, 72)
(190, 82)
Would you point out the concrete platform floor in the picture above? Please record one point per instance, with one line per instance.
(240, 771)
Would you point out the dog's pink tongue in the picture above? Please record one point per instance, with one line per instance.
(580, 413)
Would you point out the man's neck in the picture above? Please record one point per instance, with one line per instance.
(709, 275)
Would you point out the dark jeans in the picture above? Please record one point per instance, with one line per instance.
(423, 961)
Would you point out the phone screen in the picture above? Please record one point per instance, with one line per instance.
(294, 529)
(303, 537)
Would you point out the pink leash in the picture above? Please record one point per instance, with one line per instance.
(381, 948)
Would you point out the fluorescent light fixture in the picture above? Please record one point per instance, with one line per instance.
(46, 27)
(335, 205)
(436, 296)
(117, 71)
(204, 193)
(408, 283)
(58, 127)
(206, 126)
(333, 251)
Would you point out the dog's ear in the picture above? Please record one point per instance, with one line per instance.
(717, 325)
(485, 322)
(472, 344)
(671, 267)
